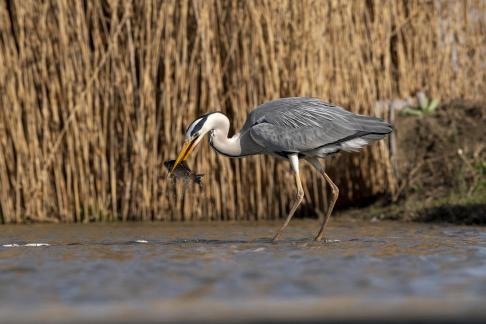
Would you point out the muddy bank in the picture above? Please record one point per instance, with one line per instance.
(441, 167)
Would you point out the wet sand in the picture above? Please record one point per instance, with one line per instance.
(223, 271)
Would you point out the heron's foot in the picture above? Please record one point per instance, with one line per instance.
(276, 237)
(325, 240)
(319, 238)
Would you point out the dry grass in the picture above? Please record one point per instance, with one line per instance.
(94, 95)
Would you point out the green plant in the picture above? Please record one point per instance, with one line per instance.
(425, 107)
(480, 168)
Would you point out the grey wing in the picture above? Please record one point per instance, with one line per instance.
(302, 124)
(288, 112)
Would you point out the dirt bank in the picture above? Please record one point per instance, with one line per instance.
(444, 153)
(441, 166)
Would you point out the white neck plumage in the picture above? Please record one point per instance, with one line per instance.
(219, 140)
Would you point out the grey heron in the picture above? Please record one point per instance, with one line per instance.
(293, 128)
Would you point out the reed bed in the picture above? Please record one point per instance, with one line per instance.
(95, 95)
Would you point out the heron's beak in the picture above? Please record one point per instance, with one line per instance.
(188, 147)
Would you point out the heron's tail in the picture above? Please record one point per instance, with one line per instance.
(372, 125)
(369, 129)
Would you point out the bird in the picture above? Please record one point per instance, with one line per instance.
(293, 128)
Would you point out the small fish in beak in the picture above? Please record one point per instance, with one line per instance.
(182, 171)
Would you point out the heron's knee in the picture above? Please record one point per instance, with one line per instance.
(300, 194)
(335, 191)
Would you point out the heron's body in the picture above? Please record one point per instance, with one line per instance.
(294, 128)
(306, 126)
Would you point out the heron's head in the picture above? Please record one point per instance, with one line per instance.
(196, 131)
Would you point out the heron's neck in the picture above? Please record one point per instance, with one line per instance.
(220, 141)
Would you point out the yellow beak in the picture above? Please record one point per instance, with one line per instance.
(186, 150)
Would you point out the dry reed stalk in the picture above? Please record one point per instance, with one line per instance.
(94, 96)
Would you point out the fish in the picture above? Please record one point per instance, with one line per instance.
(183, 172)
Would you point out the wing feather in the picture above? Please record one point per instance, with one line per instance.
(301, 124)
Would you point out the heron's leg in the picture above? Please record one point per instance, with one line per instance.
(294, 161)
(335, 193)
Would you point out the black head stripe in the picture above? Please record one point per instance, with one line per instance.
(199, 125)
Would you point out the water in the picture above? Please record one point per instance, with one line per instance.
(220, 271)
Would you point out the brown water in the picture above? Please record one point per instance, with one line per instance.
(219, 271)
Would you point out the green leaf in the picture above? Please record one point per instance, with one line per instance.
(409, 111)
(433, 106)
(422, 99)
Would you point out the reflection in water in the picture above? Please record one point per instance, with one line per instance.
(113, 264)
